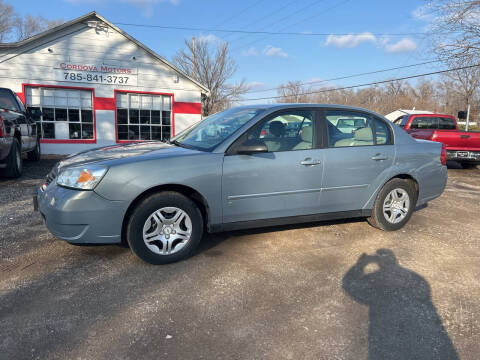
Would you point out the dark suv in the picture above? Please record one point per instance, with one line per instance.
(19, 134)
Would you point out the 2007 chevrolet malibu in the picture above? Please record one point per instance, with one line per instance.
(246, 167)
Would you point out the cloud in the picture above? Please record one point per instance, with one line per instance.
(250, 52)
(274, 51)
(423, 12)
(353, 40)
(350, 41)
(209, 38)
(384, 40)
(401, 46)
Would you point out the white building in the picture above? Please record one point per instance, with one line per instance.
(96, 86)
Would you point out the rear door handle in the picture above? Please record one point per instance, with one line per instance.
(378, 157)
(310, 161)
(464, 136)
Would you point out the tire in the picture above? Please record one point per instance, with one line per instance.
(34, 155)
(166, 240)
(14, 161)
(468, 165)
(399, 214)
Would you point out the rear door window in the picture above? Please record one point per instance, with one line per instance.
(349, 128)
(446, 123)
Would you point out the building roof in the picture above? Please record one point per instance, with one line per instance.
(94, 16)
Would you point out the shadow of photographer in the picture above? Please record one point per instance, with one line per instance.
(403, 322)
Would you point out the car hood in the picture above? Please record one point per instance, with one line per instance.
(124, 152)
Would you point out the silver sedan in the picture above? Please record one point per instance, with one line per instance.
(251, 166)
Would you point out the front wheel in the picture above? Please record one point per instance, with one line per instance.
(165, 227)
(394, 205)
(14, 161)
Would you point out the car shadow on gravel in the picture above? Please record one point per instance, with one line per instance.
(403, 322)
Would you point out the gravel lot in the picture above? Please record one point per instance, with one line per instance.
(296, 292)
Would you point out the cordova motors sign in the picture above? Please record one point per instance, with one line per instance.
(96, 73)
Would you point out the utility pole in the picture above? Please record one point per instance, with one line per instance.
(468, 118)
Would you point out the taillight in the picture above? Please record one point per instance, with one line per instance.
(1, 126)
(443, 155)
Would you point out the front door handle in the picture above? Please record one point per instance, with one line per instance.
(378, 157)
(310, 162)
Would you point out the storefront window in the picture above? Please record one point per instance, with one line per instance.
(66, 114)
(143, 117)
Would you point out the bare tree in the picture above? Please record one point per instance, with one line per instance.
(456, 41)
(213, 67)
(466, 82)
(7, 21)
(445, 95)
(293, 92)
(455, 26)
(14, 27)
(31, 25)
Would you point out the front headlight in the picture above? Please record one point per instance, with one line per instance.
(85, 177)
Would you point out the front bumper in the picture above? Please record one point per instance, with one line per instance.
(81, 217)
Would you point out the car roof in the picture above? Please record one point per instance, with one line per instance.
(286, 106)
(433, 114)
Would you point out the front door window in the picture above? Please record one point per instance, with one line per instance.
(293, 130)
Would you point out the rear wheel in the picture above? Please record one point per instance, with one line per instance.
(394, 205)
(164, 228)
(468, 165)
(14, 161)
(34, 155)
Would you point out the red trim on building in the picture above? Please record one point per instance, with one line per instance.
(187, 108)
(103, 103)
(172, 126)
(106, 103)
(67, 141)
(21, 95)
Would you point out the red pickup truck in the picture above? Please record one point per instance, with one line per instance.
(462, 146)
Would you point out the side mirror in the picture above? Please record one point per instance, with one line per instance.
(36, 114)
(251, 147)
(462, 115)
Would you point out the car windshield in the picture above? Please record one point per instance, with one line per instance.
(210, 132)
